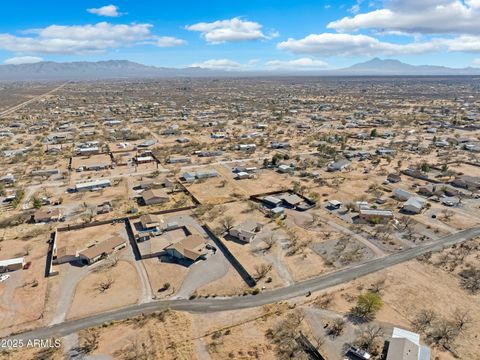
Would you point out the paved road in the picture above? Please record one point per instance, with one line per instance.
(242, 302)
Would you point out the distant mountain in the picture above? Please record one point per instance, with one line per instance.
(380, 67)
(123, 69)
(84, 70)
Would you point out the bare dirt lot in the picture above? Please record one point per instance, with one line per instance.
(90, 298)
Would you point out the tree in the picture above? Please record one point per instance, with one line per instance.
(227, 222)
(88, 341)
(269, 242)
(470, 280)
(105, 284)
(447, 214)
(337, 327)
(262, 270)
(37, 203)
(373, 133)
(462, 319)
(443, 334)
(367, 306)
(424, 320)
(370, 338)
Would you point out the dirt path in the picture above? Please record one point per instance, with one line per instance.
(280, 267)
(25, 103)
(299, 220)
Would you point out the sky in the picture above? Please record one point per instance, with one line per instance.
(242, 35)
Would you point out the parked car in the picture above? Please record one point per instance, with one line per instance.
(4, 277)
(27, 265)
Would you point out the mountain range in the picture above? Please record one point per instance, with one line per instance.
(124, 69)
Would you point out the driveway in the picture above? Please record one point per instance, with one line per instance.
(202, 273)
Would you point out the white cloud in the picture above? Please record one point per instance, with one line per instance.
(476, 62)
(297, 64)
(231, 30)
(168, 41)
(330, 44)
(354, 9)
(473, 3)
(463, 43)
(81, 39)
(417, 16)
(108, 10)
(23, 60)
(219, 64)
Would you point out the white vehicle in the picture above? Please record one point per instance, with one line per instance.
(4, 277)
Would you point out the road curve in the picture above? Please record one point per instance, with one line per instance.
(241, 302)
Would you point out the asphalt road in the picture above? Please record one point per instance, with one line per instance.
(242, 302)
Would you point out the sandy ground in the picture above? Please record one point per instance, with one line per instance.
(125, 290)
(24, 295)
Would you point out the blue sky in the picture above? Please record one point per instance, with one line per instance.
(243, 35)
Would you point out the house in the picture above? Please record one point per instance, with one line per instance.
(285, 169)
(144, 159)
(87, 150)
(204, 174)
(154, 196)
(146, 144)
(375, 215)
(338, 165)
(104, 208)
(148, 226)
(384, 152)
(414, 205)
(176, 159)
(401, 194)
(92, 185)
(246, 230)
(246, 147)
(467, 182)
(291, 200)
(243, 175)
(334, 204)
(189, 176)
(46, 215)
(12, 264)
(102, 249)
(191, 248)
(272, 201)
(8, 179)
(450, 200)
(394, 178)
(279, 145)
(405, 345)
(276, 212)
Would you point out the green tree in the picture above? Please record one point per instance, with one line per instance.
(367, 306)
(373, 133)
(37, 203)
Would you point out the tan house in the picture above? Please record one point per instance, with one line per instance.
(47, 215)
(246, 230)
(102, 249)
(155, 196)
(375, 215)
(190, 248)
